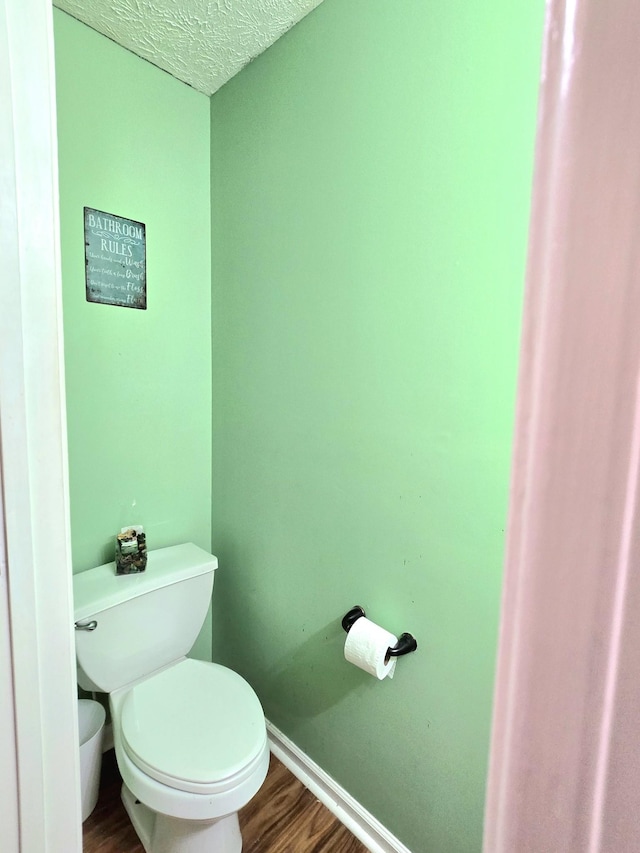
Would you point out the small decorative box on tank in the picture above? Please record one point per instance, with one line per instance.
(131, 551)
(115, 259)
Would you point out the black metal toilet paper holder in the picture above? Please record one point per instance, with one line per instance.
(406, 642)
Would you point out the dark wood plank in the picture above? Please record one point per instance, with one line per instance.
(283, 817)
(108, 828)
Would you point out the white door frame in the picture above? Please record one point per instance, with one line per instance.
(8, 758)
(36, 554)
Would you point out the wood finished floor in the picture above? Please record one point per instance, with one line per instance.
(284, 817)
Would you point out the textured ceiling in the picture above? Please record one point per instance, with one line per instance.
(201, 42)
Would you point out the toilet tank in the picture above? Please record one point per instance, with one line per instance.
(144, 621)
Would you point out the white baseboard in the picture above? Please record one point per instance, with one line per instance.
(347, 810)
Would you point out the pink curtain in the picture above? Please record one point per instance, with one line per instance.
(565, 757)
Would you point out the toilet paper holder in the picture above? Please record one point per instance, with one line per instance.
(406, 642)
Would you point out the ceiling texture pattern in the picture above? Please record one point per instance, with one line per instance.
(201, 42)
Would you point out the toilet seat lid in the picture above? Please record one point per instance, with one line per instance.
(196, 723)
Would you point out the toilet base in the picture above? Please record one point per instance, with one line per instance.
(163, 834)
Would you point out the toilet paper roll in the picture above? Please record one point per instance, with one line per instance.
(366, 646)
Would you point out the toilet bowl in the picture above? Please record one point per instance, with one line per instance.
(191, 746)
(190, 736)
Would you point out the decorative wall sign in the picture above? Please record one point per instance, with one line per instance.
(115, 259)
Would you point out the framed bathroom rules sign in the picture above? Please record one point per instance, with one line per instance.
(115, 259)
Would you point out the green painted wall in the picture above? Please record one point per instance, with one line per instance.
(135, 142)
(370, 188)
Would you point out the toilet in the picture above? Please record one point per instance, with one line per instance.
(189, 736)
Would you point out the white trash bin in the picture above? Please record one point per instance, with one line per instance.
(91, 717)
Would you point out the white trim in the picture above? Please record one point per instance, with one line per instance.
(33, 437)
(8, 757)
(340, 803)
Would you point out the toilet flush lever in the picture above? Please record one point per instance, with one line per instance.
(86, 626)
